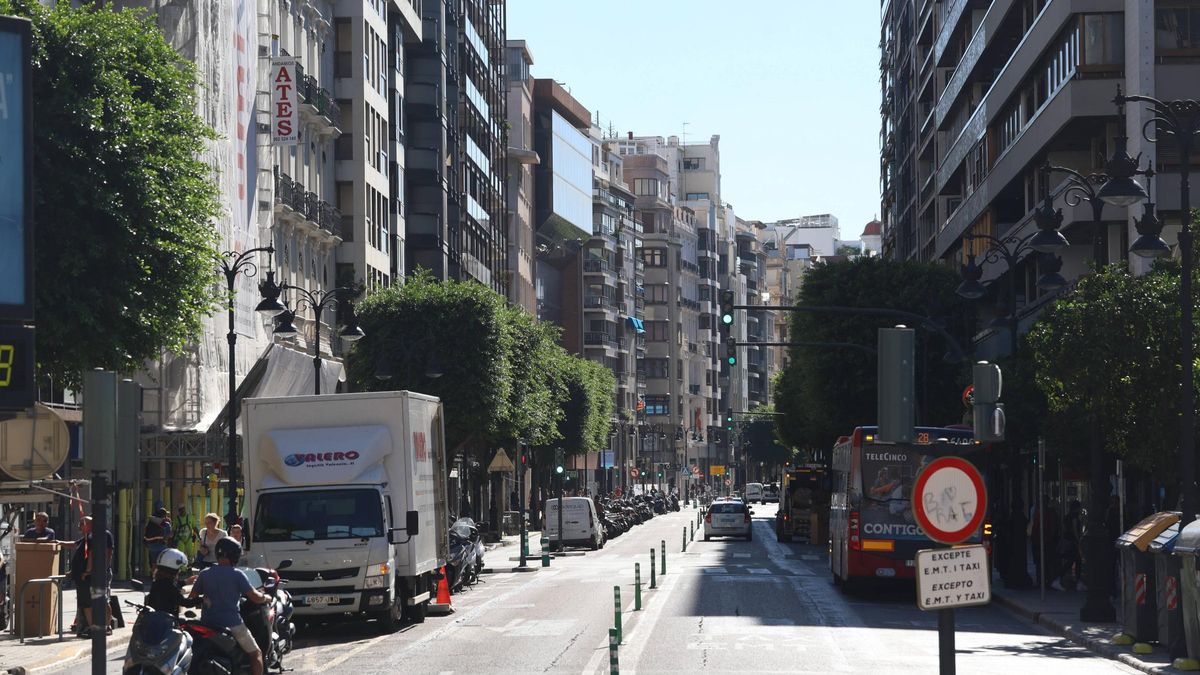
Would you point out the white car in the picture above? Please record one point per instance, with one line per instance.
(728, 518)
(581, 526)
(754, 492)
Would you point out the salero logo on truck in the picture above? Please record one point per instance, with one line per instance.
(320, 458)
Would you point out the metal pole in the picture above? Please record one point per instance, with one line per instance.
(317, 349)
(521, 507)
(946, 641)
(233, 407)
(1187, 439)
(560, 512)
(1041, 477)
(99, 559)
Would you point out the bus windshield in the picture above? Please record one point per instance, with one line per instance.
(312, 515)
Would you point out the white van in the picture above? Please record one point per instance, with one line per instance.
(754, 493)
(581, 525)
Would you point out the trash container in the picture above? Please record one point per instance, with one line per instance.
(1166, 585)
(1187, 547)
(1139, 599)
(38, 609)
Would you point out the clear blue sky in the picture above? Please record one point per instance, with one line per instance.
(791, 86)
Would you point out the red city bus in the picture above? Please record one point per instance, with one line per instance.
(871, 528)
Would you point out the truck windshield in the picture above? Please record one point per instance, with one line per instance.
(318, 514)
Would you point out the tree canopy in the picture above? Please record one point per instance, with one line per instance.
(504, 376)
(1105, 355)
(824, 392)
(123, 203)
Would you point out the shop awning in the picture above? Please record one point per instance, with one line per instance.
(636, 324)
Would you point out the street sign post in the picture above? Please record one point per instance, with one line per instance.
(949, 502)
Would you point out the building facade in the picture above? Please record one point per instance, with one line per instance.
(977, 96)
(521, 158)
(455, 117)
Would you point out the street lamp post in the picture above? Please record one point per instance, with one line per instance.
(233, 263)
(318, 301)
(1045, 242)
(1179, 119)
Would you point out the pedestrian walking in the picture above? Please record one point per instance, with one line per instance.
(187, 532)
(206, 553)
(156, 535)
(1070, 546)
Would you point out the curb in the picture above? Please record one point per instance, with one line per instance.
(1093, 645)
(82, 652)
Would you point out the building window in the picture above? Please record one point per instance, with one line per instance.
(656, 331)
(693, 196)
(1104, 39)
(657, 294)
(658, 405)
(658, 369)
(654, 257)
(1177, 28)
(646, 187)
(343, 147)
(693, 164)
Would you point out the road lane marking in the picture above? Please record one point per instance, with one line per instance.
(639, 636)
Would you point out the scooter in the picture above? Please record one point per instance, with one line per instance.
(216, 650)
(158, 644)
(466, 554)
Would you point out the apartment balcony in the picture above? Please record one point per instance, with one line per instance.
(603, 302)
(598, 266)
(295, 204)
(600, 339)
(694, 389)
(317, 105)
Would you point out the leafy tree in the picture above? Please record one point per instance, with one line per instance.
(762, 441)
(123, 204)
(1105, 356)
(826, 391)
(460, 326)
(536, 361)
(587, 405)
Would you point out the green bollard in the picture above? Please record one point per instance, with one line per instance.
(664, 557)
(637, 587)
(617, 611)
(684, 540)
(691, 532)
(613, 667)
(524, 543)
(545, 552)
(652, 584)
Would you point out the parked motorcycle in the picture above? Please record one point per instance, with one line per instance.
(158, 644)
(279, 617)
(465, 562)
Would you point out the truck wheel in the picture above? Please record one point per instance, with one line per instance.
(389, 619)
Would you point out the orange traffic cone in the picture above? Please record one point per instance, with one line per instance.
(442, 606)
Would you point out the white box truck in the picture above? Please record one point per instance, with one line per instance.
(352, 489)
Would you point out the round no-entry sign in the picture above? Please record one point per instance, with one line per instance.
(634, 473)
(949, 499)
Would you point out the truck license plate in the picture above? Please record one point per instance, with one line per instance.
(322, 600)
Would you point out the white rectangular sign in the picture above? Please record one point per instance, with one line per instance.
(953, 577)
(285, 110)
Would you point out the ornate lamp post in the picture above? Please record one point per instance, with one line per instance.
(1179, 120)
(233, 263)
(318, 301)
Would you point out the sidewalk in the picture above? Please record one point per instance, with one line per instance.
(1059, 613)
(39, 654)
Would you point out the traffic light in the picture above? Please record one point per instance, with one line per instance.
(727, 307)
(729, 420)
(988, 411)
(560, 461)
(731, 351)
(897, 388)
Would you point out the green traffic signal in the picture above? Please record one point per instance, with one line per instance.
(727, 307)
(558, 469)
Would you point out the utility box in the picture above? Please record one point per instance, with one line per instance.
(39, 606)
(1187, 547)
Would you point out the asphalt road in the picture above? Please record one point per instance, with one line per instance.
(723, 607)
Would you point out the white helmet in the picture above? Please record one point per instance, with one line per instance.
(172, 559)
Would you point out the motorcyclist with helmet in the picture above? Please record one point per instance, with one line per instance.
(166, 594)
(221, 587)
